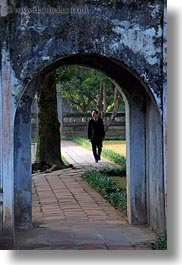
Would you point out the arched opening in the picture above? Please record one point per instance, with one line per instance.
(143, 137)
(78, 90)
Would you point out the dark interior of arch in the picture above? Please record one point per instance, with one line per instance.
(132, 86)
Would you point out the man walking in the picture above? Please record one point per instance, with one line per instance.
(96, 134)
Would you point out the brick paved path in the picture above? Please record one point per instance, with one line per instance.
(69, 214)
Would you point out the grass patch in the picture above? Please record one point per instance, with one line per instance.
(116, 158)
(66, 138)
(83, 142)
(118, 147)
(108, 188)
(112, 172)
(65, 162)
(120, 181)
(116, 138)
(113, 156)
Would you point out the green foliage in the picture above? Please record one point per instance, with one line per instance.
(65, 162)
(121, 181)
(160, 243)
(118, 159)
(112, 172)
(108, 189)
(83, 142)
(116, 138)
(84, 89)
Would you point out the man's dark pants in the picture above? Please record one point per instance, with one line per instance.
(96, 148)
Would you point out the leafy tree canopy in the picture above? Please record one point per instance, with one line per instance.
(86, 88)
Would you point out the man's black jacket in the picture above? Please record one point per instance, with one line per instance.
(96, 129)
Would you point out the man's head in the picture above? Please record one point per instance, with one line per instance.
(95, 114)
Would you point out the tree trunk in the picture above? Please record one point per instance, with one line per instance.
(104, 101)
(100, 98)
(49, 152)
(115, 110)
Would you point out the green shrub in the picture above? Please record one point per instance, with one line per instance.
(118, 159)
(119, 200)
(108, 189)
(160, 243)
(113, 171)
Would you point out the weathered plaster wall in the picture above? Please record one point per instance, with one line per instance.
(131, 33)
(165, 100)
(7, 109)
(23, 169)
(154, 170)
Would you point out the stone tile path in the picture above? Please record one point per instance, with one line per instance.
(80, 157)
(69, 214)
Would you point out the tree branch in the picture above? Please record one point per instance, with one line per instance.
(115, 109)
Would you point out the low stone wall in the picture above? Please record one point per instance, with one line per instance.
(75, 125)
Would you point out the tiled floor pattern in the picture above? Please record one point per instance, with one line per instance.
(69, 214)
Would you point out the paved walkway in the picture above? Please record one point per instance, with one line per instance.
(69, 214)
(81, 157)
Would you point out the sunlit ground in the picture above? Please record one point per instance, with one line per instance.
(116, 146)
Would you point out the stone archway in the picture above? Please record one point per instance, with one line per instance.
(124, 39)
(144, 142)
